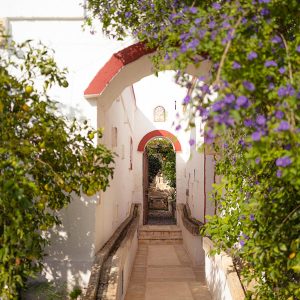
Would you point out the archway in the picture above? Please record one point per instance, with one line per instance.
(159, 149)
(125, 68)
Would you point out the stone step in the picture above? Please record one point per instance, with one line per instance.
(156, 234)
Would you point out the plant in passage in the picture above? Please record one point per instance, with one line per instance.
(162, 158)
(250, 103)
(44, 161)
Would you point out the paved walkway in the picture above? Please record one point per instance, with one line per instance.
(165, 272)
(160, 217)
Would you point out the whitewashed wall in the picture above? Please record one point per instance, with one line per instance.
(151, 92)
(115, 203)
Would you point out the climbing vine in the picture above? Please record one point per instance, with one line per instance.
(45, 160)
(250, 103)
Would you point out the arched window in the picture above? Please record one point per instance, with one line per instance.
(159, 114)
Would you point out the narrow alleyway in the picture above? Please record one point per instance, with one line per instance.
(164, 271)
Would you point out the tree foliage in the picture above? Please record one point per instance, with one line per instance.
(162, 158)
(44, 161)
(251, 104)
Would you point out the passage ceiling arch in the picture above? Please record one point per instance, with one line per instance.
(156, 134)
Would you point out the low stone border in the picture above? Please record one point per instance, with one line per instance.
(125, 232)
(191, 224)
(222, 263)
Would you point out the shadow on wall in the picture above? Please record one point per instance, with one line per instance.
(70, 255)
(218, 280)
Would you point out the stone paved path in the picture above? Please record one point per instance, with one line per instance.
(160, 217)
(165, 272)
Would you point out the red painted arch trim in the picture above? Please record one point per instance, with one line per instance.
(159, 133)
(113, 67)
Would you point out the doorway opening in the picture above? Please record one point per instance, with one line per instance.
(159, 182)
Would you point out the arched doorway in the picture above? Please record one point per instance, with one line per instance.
(159, 149)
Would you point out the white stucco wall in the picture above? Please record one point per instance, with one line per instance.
(115, 203)
(151, 92)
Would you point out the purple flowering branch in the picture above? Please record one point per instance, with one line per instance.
(292, 121)
(288, 58)
(226, 50)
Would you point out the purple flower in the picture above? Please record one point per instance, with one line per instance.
(216, 6)
(265, 12)
(271, 86)
(242, 142)
(252, 217)
(256, 136)
(192, 142)
(128, 14)
(201, 33)
(174, 54)
(193, 44)
(212, 24)
(187, 99)
(257, 160)
(263, 1)
(298, 48)
(286, 91)
(213, 35)
(270, 63)
(236, 65)
(229, 98)
(260, 120)
(218, 105)
(283, 126)
(287, 147)
(249, 85)
(281, 91)
(226, 25)
(178, 127)
(183, 48)
(205, 89)
(252, 55)
(242, 243)
(276, 39)
(290, 90)
(278, 173)
(279, 114)
(209, 137)
(198, 21)
(282, 70)
(283, 161)
(246, 237)
(248, 122)
(193, 10)
(242, 101)
(184, 36)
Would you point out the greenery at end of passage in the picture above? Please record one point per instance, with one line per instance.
(162, 158)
